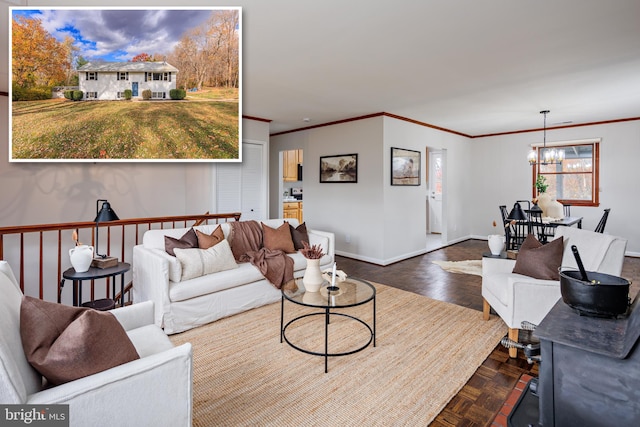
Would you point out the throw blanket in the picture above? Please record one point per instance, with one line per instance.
(245, 239)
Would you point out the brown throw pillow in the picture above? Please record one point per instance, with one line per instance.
(187, 241)
(278, 238)
(65, 343)
(299, 235)
(540, 261)
(205, 241)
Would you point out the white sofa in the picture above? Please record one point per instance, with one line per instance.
(153, 390)
(182, 305)
(517, 298)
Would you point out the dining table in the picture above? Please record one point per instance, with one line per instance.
(567, 221)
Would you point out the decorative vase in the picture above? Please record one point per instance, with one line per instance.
(544, 202)
(312, 278)
(496, 243)
(81, 257)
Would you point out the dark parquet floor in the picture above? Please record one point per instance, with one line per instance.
(482, 397)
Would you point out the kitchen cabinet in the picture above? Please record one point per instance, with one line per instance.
(290, 161)
(292, 210)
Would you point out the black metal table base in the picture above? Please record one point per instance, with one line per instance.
(326, 354)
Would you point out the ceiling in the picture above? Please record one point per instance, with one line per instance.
(475, 67)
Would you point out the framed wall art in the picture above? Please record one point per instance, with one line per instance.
(342, 168)
(405, 167)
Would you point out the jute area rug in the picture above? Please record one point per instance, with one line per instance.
(426, 351)
(466, 267)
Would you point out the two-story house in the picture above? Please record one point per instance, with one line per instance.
(109, 80)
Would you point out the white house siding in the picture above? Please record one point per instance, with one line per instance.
(107, 86)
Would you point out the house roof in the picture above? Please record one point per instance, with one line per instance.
(129, 66)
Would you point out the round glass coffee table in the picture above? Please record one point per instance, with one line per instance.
(351, 292)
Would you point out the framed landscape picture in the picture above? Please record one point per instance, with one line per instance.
(405, 167)
(342, 168)
(104, 84)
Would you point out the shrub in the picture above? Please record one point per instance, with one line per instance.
(128, 94)
(30, 94)
(177, 93)
(77, 95)
(68, 94)
(146, 94)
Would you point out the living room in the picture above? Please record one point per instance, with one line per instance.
(486, 153)
(481, 173)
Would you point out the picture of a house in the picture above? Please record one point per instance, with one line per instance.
(109, 80)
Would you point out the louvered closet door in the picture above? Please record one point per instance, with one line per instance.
(242, 187)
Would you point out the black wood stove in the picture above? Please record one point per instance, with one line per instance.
(589, 372)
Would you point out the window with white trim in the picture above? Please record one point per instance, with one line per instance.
(158, 95)
(157, 77)
(123, 75)
(92, 95)
(91, 75)
(576, 180)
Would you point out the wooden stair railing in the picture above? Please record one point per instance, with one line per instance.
(38, 254)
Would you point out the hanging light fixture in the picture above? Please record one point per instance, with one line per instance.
(550, 156)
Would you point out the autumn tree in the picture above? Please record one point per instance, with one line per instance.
(143, 57)
(72, 57)
(208, 54)
(38, 59)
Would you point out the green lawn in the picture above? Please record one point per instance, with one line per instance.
(171, 130)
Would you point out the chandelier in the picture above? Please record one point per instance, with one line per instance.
(550, 156)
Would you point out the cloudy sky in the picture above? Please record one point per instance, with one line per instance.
(119, 34)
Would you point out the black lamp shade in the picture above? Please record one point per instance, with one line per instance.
(106, 213)
(517, 213)
(535, 208)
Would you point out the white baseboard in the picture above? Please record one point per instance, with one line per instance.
(398, 258)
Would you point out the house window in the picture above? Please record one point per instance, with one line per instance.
(92, 95)
(120, 94)
(91, 75)
(576, 180)
(123, 75)
(159, 95)
(157, 77)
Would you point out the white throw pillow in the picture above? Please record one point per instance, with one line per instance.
(198, 262)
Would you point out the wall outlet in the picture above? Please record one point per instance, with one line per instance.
(347, 238)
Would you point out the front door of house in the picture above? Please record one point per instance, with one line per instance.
(134, 88)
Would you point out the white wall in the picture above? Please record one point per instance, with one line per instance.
(387, 223)
(384, 223)
(405, 207)
(346, 209)
(502, 176)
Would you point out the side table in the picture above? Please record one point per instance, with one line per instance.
(502, 255)
(96, 273)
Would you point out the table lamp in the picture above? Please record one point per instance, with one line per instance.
(103, 214)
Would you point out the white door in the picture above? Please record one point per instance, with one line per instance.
(435, 192)
(242, 187)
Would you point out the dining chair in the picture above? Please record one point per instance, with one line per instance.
(603, 221)
(539, 229)
(520, 225)
(508, 231)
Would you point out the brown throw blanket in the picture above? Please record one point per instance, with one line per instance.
(245, 239)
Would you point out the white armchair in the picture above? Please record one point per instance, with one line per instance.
(153, 390)
(517, 298)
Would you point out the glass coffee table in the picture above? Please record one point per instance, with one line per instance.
(351, 292)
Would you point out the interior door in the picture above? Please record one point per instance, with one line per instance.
(242, 187)
(435, 192)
